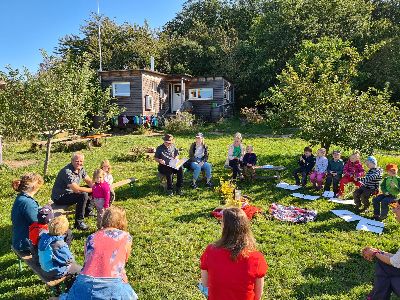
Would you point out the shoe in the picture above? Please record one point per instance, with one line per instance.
(80, 225)
(209, 184)
(170, 192)
(194, 186)
(91, 213)
(179, 192)
(381, 218)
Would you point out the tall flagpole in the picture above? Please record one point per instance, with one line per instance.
(99, 20)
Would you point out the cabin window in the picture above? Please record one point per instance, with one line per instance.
(149, 103)
(154, 86)
(121, 89)
(201, 94)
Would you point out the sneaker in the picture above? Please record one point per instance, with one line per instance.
(194, 185)
(209, 184)
(170, 192)
(91, 213)
(179, 192)
(80, 225)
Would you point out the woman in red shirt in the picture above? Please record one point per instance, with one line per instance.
(232, 268)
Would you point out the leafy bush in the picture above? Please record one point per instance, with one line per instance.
(181, 122)
(252, 115)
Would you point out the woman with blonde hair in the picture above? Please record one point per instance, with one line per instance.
(236, 151)
(25, 209)
(232, 268)
(106, 253)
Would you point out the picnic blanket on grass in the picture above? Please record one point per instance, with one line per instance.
(292, 214)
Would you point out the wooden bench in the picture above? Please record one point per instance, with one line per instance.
(33, 264)
(65, 209)
(94, 140)
(276, 169)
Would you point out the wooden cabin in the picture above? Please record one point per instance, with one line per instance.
(145, 92)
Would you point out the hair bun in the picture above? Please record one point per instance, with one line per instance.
(15, 184)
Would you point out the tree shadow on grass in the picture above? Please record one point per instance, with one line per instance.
(188, 218)
(336, 279)
(6, 234)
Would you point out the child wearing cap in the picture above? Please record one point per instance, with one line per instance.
(249, 163)
(352, 170)
(334, 172)
(369, 184)
(390, 188)
(321, 165)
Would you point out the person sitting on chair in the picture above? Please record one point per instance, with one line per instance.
(198, 155)
(165, 154)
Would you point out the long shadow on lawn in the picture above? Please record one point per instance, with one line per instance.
(336, 279)
(204, 213)
(5, 233)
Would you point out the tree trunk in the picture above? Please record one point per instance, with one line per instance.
(47, 159)
(1, 151)
(326, 145)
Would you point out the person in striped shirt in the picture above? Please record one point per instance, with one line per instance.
(369, 184)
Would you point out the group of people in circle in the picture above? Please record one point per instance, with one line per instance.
(230, 268)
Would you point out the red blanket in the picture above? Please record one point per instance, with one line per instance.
(250, 211)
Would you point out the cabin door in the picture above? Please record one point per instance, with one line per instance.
(176, 97)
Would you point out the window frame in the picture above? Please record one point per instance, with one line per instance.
(123, 94)
(148, 98)
(197, 91)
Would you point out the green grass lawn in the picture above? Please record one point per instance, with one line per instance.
(319, 260)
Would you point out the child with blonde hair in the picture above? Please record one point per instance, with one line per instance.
(106, 167)
(352, 171)
(321, 165)
(249, 163)
(55, 257)
(100, 194)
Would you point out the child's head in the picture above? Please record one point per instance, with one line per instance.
(249, 149)
(391, 169)
(307, 151)
(355, 156)
(114, 217)
(321, 152)
(98, 176)
(58, 226)
(28, 183)
(45, 214)
(371, 162)
(105, 166)
(336, 154)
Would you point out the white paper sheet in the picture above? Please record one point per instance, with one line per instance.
(305, 197)
(340, 201)
(267, 167)
(177, 163)
(347, 215)
(341, 212)
(287, 186)
(370, 225)
(328, 194)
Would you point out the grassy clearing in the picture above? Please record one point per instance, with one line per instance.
(319, 260)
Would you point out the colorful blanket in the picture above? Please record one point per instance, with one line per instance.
(292, 214)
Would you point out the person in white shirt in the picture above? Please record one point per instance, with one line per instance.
(387, 271)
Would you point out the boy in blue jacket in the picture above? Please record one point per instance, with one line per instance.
(55, 258)
(306, 164)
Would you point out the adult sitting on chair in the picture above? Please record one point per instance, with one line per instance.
(165, 153)
(387, 269)
(67, 189)
(236, 152)
(198, 155)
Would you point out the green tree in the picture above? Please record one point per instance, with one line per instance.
(315, 94)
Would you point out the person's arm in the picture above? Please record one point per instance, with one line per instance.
(258, 288)
(30, 211)
(359, 170)
(61, 254)
(325, 164)
(383, 186)
(88, 181)
(230, 153)
(205, 157)
(340, 171)
(157, 156)
(128, 248)
(78, 189)
(191, 152)
(106, 191)
(384, 257)
(204, 278)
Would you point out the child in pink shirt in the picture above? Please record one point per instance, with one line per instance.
(100, 194)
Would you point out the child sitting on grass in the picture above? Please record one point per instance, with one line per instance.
(55, 258)
(369, 184)
(351, 172)
(321, 165)
(100, 194)
(390, 188)
(306, 164)
(249, 163)
(106, 167)
(334, 172)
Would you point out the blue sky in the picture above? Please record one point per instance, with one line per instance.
(29, 25)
